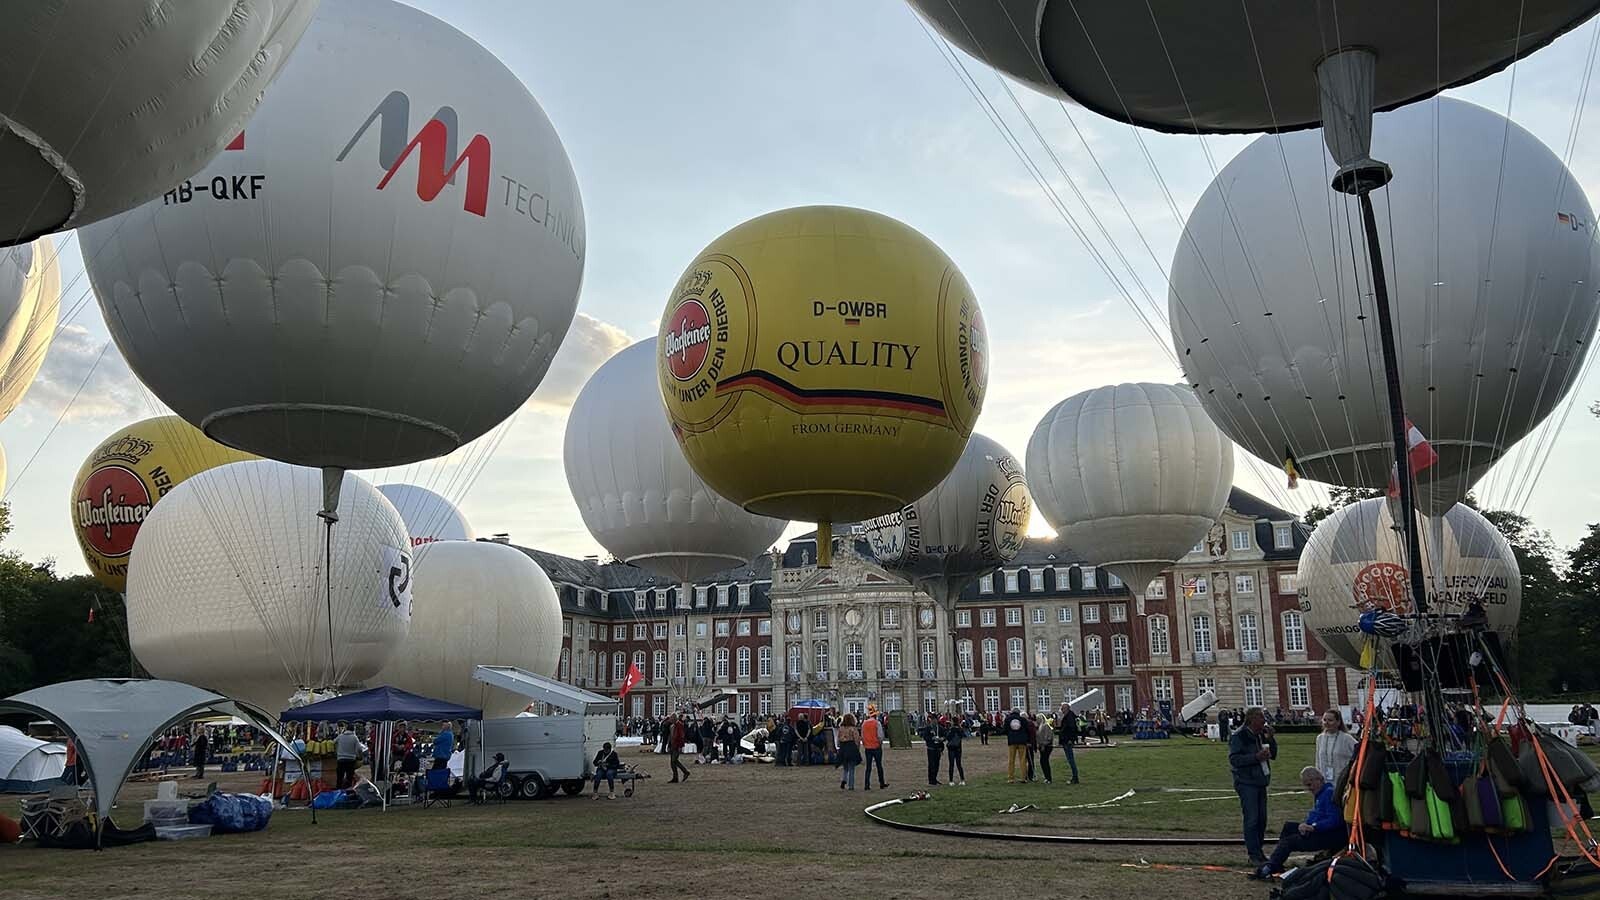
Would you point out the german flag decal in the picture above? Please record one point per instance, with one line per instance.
(822, 400)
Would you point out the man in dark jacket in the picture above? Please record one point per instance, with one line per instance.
(1016, 731)
(1251, 751)
(802, 736)
(729, 733)
(934, 741)
(1067, 731)
(677, 736)
(785, 743)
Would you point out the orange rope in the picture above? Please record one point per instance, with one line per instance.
(1566, 807)
(1358, 843)
(1487, 839)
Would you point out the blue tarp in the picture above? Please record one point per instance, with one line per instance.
(810, 704)
(381, 704)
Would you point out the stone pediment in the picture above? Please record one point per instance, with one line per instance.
(849, 572)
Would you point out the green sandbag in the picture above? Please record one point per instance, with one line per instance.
(1439, 816)
(1515, 813)
(1399, 801)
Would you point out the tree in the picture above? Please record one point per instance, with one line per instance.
(1338, 498)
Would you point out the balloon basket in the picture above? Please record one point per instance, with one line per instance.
(1478, 865)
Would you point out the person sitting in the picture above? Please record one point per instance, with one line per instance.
(1323, 829)
(606, 764)
(491, 774)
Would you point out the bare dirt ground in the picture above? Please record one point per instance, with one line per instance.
(730, 831)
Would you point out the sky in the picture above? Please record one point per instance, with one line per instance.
(685, 119)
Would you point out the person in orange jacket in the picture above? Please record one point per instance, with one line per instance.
(872, 743)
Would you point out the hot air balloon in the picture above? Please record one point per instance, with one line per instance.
(123, 479)
(634, 489)
(1355, 563)
(974, 521)
(30, 306)
(109, 104)
(380, 275)
(1493, 291)
(428, 516)
(822, 363)
(476, 603)
(230, 588)
(1132, 476)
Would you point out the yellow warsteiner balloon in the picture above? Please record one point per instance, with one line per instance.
(822, 363)
(125, 476)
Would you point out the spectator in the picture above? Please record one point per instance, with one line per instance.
(785, 743)
(729, 732)
(953, 737)
(706, 740)
(1323, 829)
(202, 747)
(849, 738)
(1045, 741)
(872, 744)
(1250, 754)
(444, 744)
(606, 764)
(802, 736)
(476, 785)
(1016, 731)
(1335, 746)
(1067, 730)
(935, 744)
(676, 737)
(348, 749)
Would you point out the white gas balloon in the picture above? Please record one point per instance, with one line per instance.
(634, 489)
(428, 516)
(109, 104)
(973, 521)
(30, 307)
(228, 584)
(1493, 294)
(1355, 563)
(380, 275)
(476, 603)
(1132, 476)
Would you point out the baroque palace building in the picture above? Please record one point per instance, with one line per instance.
(1044, 628)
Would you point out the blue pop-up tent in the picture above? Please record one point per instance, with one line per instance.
(381, 704)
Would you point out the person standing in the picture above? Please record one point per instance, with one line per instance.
(872, 745)
(785, 743)
(802, 736)
(444, 744)
(347, 748)
(1335, 746)
(952, 744)
(1251, 751)
(1067, 730)
(730, 738)
(935, 744)
(1016, 731)
(202, 748)
(1045, 742)
(849, 738)
(676, 737)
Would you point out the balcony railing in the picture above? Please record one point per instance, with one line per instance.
(677, 681)
(891, 674)
(1069, 671)
(1249, 656)
(699, 680)
(1041, 671)
(795, 676)
(1204, 657)
(929, 675)
(856, 676)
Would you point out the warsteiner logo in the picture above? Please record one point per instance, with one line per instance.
(110, 509)
(687, 340)
(128, 449)
(438, 161)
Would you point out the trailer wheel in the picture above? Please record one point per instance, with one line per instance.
(507, 788)
(572, 786)
(533, 787)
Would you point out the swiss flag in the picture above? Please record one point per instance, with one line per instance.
(630, 680)
(1419, 454)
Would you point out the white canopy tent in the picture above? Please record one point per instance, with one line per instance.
(27, 764)
(114, 721)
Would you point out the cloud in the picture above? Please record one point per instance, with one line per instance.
(78, 359)
(589, 343)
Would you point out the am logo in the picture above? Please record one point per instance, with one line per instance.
(436, 142)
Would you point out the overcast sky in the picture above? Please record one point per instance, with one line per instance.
(684, 119)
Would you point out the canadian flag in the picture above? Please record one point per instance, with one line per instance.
(1419, 454)
(629, 680)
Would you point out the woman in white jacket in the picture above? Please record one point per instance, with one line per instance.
(1335, 746)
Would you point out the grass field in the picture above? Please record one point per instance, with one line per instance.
(730, 831)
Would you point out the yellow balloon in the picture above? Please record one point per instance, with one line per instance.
(124, 477)
(822, 363)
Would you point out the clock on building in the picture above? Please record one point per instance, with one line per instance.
(794, 623)
(925, 616)
(852, 617)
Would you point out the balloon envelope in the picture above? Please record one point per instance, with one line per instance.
(109, 104)
(379, 275)
(228, 585)
(30, 307)
(1493, 298)
(1132, 476)
(476, 603)
(428, 516)
(975, 520)
(822, 363)
(636, 492)
(122, 480)
(1355, 563)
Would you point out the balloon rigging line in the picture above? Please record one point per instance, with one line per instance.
(62, 415)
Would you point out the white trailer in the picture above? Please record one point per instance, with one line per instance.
(544, 753)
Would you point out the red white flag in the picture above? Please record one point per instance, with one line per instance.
(1419, 455)
(630, 680)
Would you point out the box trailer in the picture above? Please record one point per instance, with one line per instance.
(544, 753)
